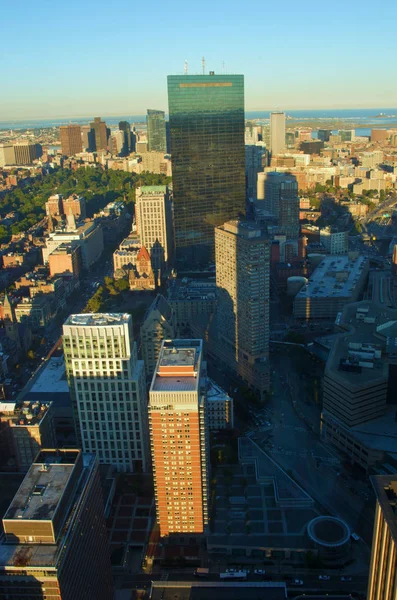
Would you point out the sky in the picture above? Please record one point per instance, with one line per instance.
(84, 58)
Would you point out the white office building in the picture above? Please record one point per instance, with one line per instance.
(107, 387)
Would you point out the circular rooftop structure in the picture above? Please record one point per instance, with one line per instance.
(328, 532)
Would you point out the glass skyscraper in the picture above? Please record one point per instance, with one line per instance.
(208, 159)
(156, 133)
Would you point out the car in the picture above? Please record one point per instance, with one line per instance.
(297, 582)
(324, 577)
(344, 578)
(355, 537)
(259, 571)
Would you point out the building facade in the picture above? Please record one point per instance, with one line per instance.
(158, 325)
(107, 387)
(335, 242)
(55, 521)
(100, 133)
(242, 318)
(153, 212)
(71, 141)
(277, 132)
(207, 147)
(179, 439)
(156, 133)
(30, 427)
(281, 200)
(382, 583)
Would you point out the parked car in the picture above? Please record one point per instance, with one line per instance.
(297, 582)
(324, 577)
(259, 571)
(345, 578)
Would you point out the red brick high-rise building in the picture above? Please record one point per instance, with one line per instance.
(179, 438)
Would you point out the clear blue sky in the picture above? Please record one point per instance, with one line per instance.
(85, 57)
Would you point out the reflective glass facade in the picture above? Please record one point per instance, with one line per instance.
(208, 159)
(156, 130)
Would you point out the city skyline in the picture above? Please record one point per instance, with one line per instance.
(278, 80)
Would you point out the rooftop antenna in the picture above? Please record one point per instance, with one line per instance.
(203, 64)
(185, 67)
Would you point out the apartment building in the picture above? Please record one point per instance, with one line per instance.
(179, 438)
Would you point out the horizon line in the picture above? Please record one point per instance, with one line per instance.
(245, 110)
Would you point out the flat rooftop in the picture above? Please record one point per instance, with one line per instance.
(97, 319)
(31, 556)
(192, 289)
(178, 366)
(26, 414)
(215, 392)
(335, 277)
(52, 378)
(364, 342)
(385, 488)
(43, 487)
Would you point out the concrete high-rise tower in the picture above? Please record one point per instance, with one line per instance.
(179, 438)
(71, 141)
(277, 132)
(207, 147)
(55, 542)
(242, 256)
(107, 386)
(153, 211)
(156, 131)
(282, 201)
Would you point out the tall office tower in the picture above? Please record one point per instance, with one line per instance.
(277, 132)
(88, 138)
(242, 256)
(382, 583)
(207, 147)
(101, 133)
(282, 201)
(253, 166)
(116, 142)
(179, 438)
(107, 387)
(153, 213)
(324, 134)
(71, 142)
(158, 325)
(125, 127)
(156, 131)
(26, 153)
(55, 541)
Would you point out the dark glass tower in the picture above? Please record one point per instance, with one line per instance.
(208, 159)
(156, 134)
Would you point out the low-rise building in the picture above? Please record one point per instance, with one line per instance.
(336, 281)
(124, 258)
(88, 235)
(356, 416)
(219, 407)
(190, 299)
(141, 276)
(29, 427)
(65, 259)
(334, 241)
